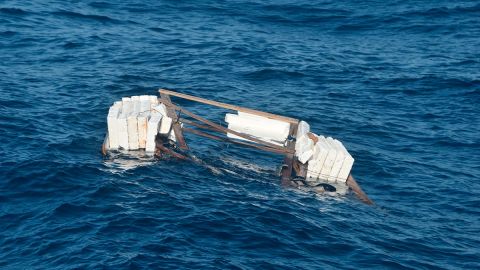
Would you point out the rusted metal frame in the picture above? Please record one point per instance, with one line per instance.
(227, 130)
(218, 138)
(287, 167)
(175, 125)
(230, 106)
(351, 183)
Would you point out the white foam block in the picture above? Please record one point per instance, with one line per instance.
(329, 161)
(305, 156)
(132, 122)
(347, 164)
(313, 170)
(165, 125)
(153, 100)
(142, 130)
(303, 129)
(153, 126)
(303, 145)
(260, 127)
(113, 131)
(160, 108)
(337, 165)
(122, 123)
(320, 153)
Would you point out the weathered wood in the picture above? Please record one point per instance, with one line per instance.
(351, 183)
(218, 138)
(175, 125)
(287, 167)
(230, 106)
(226, 130)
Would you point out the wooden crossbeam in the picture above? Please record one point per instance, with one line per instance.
(287, 167)
(175, 125)
(230, 106)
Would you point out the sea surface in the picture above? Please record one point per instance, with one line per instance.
(398, 82)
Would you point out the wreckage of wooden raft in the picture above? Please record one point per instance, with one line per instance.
(310, 160)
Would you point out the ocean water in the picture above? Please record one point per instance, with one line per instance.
(397, 81)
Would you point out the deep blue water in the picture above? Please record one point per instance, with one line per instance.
(397, 81)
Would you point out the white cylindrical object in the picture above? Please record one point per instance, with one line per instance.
(259, 127)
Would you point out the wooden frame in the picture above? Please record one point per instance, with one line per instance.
(288, 150)
(205, 128)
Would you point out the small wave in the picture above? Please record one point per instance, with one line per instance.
(267, 74)
(13, 11)
(77, 15)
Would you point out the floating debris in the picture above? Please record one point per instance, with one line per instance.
(157, 126)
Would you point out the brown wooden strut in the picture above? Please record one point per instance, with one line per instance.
(287, 167)
(175, 125)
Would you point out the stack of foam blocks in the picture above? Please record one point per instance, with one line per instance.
(327, 159)
(134, 122)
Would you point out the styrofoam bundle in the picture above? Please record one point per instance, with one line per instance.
(153, 126)
(266, 129)
(329, 160)
(113, 113)
(303, 129)
(347, 164)
(339, 158)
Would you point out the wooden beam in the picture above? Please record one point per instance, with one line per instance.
(289, 158)
(351, 183)
(175, 125)
(230, 106)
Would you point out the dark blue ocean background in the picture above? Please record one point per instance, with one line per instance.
(397, 81)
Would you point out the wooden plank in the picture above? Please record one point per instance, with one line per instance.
(176, 126)
(230, 106)
(226, 130)
(210, 136)
(289, 158)
(351, 183)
